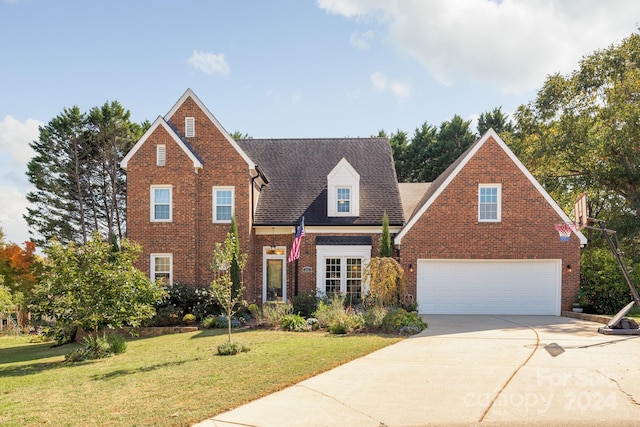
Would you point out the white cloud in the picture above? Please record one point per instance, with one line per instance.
(381, 83)
(15, 137)
(513, 44)
(15, 153)
(209, 63)
(13, 204)
(399, 89)
(361, 40)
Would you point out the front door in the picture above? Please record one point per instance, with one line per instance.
(274, 277)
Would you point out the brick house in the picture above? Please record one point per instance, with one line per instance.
(479, 239)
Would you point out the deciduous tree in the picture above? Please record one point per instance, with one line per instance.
(582, 133)
(222, 288)
(386, 281)
(92, 286)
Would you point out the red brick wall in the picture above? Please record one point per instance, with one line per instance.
(156, 237)
(192, 235)
(450, 227)
(306, 281)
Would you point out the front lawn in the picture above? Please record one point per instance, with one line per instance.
(172, 380)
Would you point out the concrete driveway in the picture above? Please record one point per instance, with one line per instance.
(468, 370)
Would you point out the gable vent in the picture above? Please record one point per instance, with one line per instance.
(189, 127)
(161, 155)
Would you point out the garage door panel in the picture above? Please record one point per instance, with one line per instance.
(489, 286)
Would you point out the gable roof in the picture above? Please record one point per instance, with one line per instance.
(439, 185)
(160, 122)
(190, 94)
(180, 140)
(297, 171)
(411, 193)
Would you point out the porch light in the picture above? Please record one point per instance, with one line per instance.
(410, 268)
(569, 268)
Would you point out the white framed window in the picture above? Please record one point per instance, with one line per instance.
(223, 206)
(489, 202)
(340, 270)
(162, 268)
(161, 205)
(161, 155)
(189, 127)
(343, 200)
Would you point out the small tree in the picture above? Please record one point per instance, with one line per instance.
(234, 267)
(386, 280)
(93, 286)
(385, 238)
(222, 285)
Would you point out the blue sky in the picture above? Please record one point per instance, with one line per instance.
(284, 68)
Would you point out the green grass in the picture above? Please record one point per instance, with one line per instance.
(634, 312)
(172, 380)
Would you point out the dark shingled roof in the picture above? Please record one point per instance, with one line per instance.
(297, 171)
(343, 240)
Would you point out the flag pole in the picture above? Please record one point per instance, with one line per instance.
(295, 253)
(295, 286)
(295, 290)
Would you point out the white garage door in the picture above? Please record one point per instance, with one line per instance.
(489, 286)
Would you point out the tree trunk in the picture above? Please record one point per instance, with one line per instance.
(95, 341)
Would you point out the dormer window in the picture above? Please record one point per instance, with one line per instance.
(189, 127)
(343, 190)
(161, 155)
(344, 200)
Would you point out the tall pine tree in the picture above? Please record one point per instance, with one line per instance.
(79, 186)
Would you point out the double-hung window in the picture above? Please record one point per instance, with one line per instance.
(343, 200)
(162, 268)
(489, 203)
(223, 208)
(161, 203)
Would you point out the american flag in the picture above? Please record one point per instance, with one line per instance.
(295, 247)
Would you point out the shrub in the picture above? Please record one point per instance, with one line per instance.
(340, 326)
(373, 316)
(117, 344)
(87, 352)
(312, 323)
(293, 322)
(399, 318)
(61, 333)
(304, 304)
(183, 299)
(254, 310)
(189, 318)
(229, 348)
(330, 312)
(272, 312)
(220, 322)
(166, 315)
(337, 318)
(603, 289)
